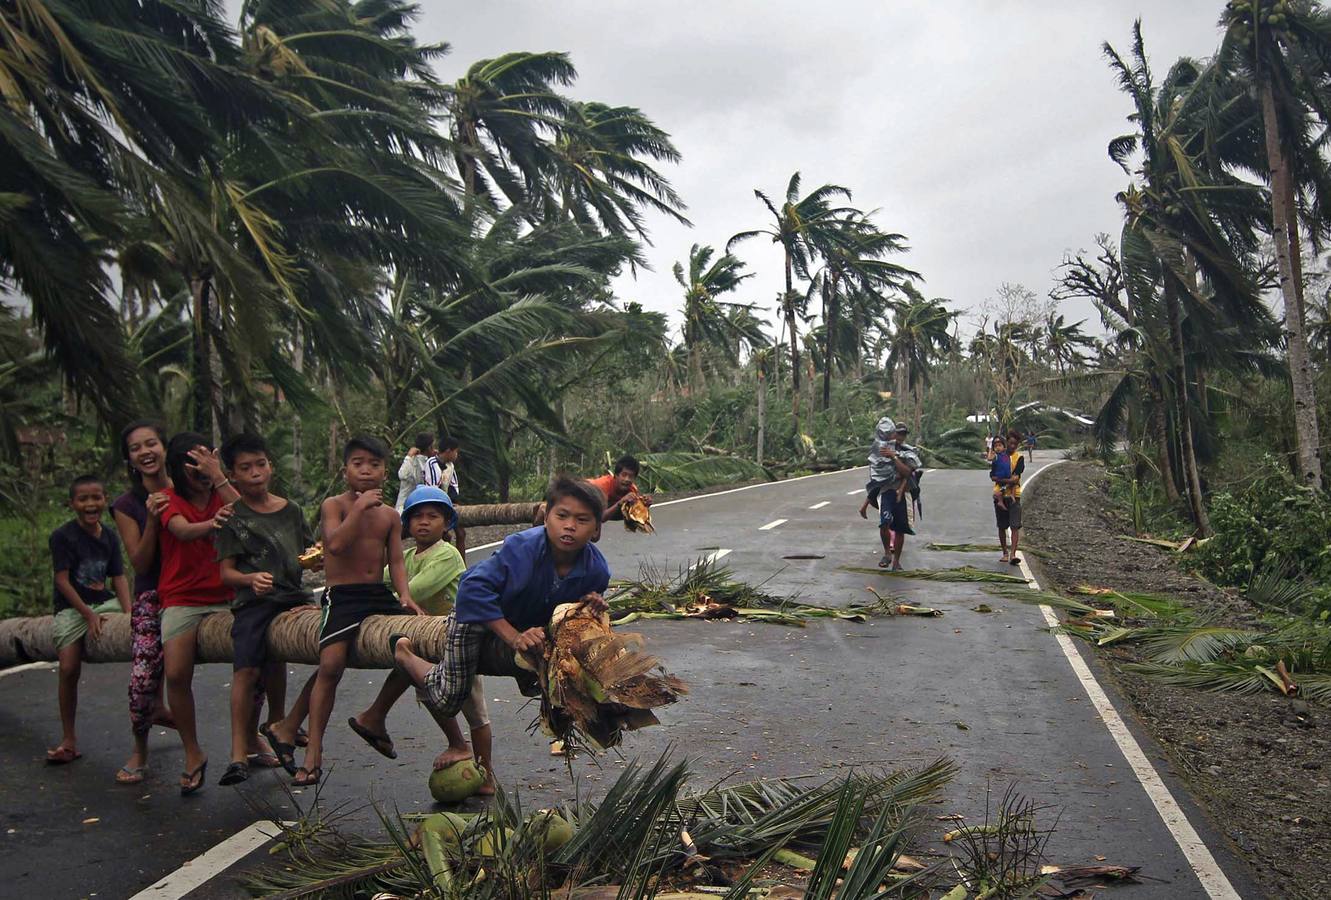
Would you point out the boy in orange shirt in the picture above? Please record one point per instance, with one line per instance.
(619, 487)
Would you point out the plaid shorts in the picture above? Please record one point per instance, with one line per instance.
(470, 649)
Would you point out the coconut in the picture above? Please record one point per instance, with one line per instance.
(551, 829)
(493, 841)
(447, 826)
(456, 782)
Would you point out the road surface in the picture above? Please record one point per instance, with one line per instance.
(992, 691)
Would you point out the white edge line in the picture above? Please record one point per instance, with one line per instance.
(210, 863)
(1199, 857)
(26, 667)
(820, 505)
(773, 524)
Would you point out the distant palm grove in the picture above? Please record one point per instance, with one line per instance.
(289, 223)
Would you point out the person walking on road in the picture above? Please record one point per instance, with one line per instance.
(891, 467)
(1007, 498)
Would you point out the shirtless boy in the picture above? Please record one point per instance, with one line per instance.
(361, 535)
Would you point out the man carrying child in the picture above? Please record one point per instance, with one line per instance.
(891, 468)
(1005, 472)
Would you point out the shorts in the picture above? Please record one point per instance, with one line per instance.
(249, 631)
(894, 512)
(69, 626)
(179, 620)
(1010, 517)
(474, 709)
(471, 649)
(345, 606)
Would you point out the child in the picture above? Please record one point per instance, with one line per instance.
(190, 587)
(890, 470)
(1007, 497)
(411, 474)
(84, 554)
(143, 448)
(505, 603)
(1000, 470)
(447, 459)
(259, 551)
(435, 567)
(619, 488)
(360, 534)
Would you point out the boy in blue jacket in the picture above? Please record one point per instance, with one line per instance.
(504, 605)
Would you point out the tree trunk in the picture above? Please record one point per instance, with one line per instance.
(1160, 428)
(788, 301)
(293, 637)
(1191, 478)
(497, 514)
(297, 451)
(902, 388)
(201, 292)
(1285, 233)
(919, 409)
(830, 311)
(762, 413)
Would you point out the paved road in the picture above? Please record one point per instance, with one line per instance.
(993, 692)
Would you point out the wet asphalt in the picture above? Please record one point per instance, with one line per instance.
(991, 691)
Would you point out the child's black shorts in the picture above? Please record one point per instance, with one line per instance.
(249, 631)
(345, 606)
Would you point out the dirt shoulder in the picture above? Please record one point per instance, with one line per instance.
(1261, 765)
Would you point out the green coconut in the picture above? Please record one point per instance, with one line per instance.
(493, 841)
(456, 782)
(441, 840)
(551, 829)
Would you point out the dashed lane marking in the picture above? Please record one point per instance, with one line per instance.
(770, 525)
(718, 554)
(210, 864)
(854, 492)
(820, 505)
(1208, 871)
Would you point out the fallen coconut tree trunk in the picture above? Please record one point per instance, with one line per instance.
(497, 514)
(293, 637)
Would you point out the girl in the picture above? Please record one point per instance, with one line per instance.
(143, 448)
(190, 585)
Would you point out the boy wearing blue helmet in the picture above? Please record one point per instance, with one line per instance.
(434, 568)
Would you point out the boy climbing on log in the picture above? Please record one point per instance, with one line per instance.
(361, 534)
(505, 603)
(84, 556)
(259, 550)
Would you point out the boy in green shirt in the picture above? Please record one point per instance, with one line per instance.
(434, 568)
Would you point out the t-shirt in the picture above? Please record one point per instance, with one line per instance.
(1017, 462)
(448, 480)
(411, 475)
(431, 472)
(132, 505)
(267, 542)
(1001, 467)
(519, 582)
(432, 576)
(190, 574)
(609, 486)
(90, 560)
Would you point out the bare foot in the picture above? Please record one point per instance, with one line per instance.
(452, 755)
(487, 788)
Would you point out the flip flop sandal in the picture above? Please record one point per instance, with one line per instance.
(382, 743)
(302, 738)
(312, 776)
(285, 753)
(1014, 561)
(885, 562)
(234, 774)
(195, 779)
(62, 756)
(128, 775)
(263, 761)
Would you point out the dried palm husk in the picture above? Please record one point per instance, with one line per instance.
(637, 516)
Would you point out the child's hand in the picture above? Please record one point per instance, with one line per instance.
(414, 451)
(95, 623)
(222, 515)
(156, 502)
(529, 641)
(206, 461)
(595, 602)
(261, 583)
(411, 604)
(369, 500)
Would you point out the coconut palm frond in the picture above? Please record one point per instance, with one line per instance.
(1047, 598)
(1184, 644)
(1233, 677)
(678, 471)
(962, 574)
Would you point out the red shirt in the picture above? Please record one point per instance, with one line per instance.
(190, 575)
(609, 486)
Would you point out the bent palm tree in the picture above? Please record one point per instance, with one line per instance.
(706, 320)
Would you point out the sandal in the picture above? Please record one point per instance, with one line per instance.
(382, 743)
(134, 775)
(235, 774)
(285, 753)
(61, 756)
(311, 778)
(885, 562)
(263, 761)
(1015, 561)
(302, 738)
(194, 779)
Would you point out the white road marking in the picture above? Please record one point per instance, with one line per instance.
(1208, 871)
(209, 864)
(854, 492)
(770, 525)
(820, 505)
(719, 554)
(26, 667)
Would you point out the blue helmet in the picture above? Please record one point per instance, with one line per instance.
(430, 494)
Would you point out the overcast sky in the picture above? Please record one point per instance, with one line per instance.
(978, 129)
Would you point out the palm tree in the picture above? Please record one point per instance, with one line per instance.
(1283, 49)
(800, 226)
(1063, 340)
(707, 320)
(921, 334)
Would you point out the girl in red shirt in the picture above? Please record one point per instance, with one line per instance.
(190, 585)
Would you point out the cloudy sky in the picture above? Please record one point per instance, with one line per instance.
(978, 129)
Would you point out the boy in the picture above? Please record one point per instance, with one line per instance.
(259, 549)
(435, 567)
(360, 536)
(84, 555)
(1007, 499)
(505, 603)
(890, 470)
(619, 487)
(1000, 470)
(449, 449)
